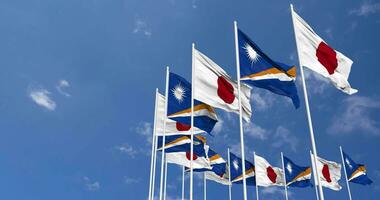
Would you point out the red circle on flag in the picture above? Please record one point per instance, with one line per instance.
(182, 127)
(225, 90)
(327, 57)
(326, 173)
(188, 156)
(271, 174)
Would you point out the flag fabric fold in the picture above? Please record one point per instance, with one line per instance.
(296, 176)
(172, 127)
(315, 54)
(179, 105)
(266, 174)
(236, 167)
(329, 173)
(356, 173)
(181, 155)
(216, 88)
(258, 70)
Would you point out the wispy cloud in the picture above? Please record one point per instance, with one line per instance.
(274, 191)
(366, 8)
(141, 27)
(356, 116)
(91, 185)
(130, 180)
(62, 85)
(284, 138)
(42, 98)
(256, 131)
(127, 149)
(145, 129)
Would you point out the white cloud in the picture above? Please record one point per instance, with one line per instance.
(142, 28)
(366, 8)
(356, 116)
(218, 127)
(41, 97)
(145, 129)
(316, 84)
(256, 131)
(62, 84)
(283, 137)
(127, 149)
(262, 100)
(130, 180)
(271, 191)
(91, 185)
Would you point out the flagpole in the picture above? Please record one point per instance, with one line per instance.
(192, 121)
(345, 173)
(314, 148)
(314, 176)
(166, 177)
(154, 165)
(153, 142)
(163, 134)
(204, 186)
(229, 175)
(240, 112)
(257, 187)
(283, 169)
(183, 182)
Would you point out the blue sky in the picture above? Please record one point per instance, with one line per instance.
(78, 77)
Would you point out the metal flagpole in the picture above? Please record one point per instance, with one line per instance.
(314, 175)
(257, 187)
(151, 185)
(204, 186)
(183, 182)
(345, 173)
(240, 111)
(283, 169)
(166, 177)
(307, 110)
(163, 134)
(229, 175)
(154, 165)
(192, 122)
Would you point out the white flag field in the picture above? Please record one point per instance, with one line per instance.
(172, 127)
(216, 88)
(329, 173)
(317, 55)
(266, 174)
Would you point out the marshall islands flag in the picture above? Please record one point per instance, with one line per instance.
(296, 176)
(258, 70)
(179, 105)
(356, 173)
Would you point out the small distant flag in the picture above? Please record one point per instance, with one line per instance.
(181, 155)
(179, 105)
(218, 171)
(317, 55)
(176, 140)
(216, 88)
(172, 127)
(296, 176)
(236, 167)
(329, 173)
(266, 174)
(356, 173)
(258, 70)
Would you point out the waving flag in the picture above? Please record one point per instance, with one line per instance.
(176, 140)
(258, 70)
(237, 172)
(356, 173)
(172, 127)
(216, 88)
(296, 176)
(317, 55)
(266, 174)
(181, 155)
(179, 105)
(329, 173)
